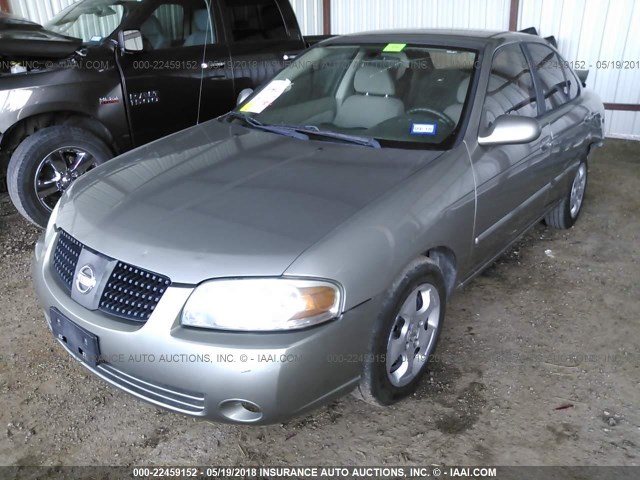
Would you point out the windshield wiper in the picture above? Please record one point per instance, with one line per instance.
(355, 139)
(279, 129)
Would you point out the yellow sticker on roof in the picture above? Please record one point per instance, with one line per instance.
(394, 47)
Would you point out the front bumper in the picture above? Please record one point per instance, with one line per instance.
(228, 377)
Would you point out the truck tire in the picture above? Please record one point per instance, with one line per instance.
(566, 213)
(46, 163)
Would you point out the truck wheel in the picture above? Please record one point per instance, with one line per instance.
(46, 163)
(565, 214)
(405, 335)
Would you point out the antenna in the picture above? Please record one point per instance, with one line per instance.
(204, 65)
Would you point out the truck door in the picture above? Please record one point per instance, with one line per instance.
(183, 66)
(263, 36)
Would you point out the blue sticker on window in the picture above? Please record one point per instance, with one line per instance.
(424, 129)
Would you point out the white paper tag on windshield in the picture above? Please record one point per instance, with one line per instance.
(266, 97)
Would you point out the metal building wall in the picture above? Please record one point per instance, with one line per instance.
(348, 16)
(309, 13)
(39, 11)
(597, 31)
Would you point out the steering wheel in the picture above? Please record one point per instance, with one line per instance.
(442, 116)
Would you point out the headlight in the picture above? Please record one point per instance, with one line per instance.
(261, 304)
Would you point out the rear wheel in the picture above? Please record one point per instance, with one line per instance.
(406, 334)
(566, 213)
(46, 163)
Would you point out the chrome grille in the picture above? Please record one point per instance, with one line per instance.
(65, 257)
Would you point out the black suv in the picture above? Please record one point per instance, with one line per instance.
(105, 76)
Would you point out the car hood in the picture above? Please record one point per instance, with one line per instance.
(22, 39)
(220, 200)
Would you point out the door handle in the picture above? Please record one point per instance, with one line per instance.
(289, 56)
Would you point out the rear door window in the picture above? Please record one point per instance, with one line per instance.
(256, 20)
(556, 88)
(572, 79)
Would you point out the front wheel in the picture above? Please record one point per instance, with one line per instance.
(46, 163)
(405, 335)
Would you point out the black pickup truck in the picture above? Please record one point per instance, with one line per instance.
(105, 76)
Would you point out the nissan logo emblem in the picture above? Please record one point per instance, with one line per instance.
(85, 280)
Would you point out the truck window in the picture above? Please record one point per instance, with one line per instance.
(90, 20)
(255, 20)
(183, 24)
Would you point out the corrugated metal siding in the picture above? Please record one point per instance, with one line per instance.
(39, 11)
(590, 31)
(348, 16)
(309, 13)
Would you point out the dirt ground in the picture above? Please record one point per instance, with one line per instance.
(539, 364)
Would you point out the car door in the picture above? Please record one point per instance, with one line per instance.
(182, 65)
(510, 179)
(564, 113)
(262, 39)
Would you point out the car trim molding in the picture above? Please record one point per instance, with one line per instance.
(500, 223)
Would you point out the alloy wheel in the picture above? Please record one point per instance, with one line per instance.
(57, 171)
(577, 190)
(413, 335)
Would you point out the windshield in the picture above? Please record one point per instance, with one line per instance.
(90, 20)
(400, 95)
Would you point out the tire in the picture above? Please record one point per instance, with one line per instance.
(36, 158)
(378, 384)
(566, 213)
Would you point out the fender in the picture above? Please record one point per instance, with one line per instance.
(89, 86)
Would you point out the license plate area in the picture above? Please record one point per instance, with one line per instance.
(82, 344)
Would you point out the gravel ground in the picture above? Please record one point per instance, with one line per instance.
(539, 364)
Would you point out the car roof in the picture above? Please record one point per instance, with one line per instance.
(463, 37)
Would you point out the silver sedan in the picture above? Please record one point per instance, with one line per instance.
(305, 245)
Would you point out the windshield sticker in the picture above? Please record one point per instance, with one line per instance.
(394, 47)
(424, 129)
(266, 97)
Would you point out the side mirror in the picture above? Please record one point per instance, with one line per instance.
(511, 129)
(131, 41)
(244, 94)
